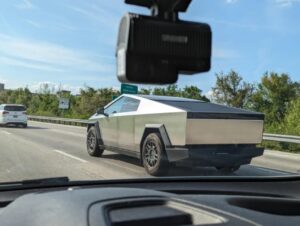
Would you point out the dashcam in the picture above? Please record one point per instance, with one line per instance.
(155, 49)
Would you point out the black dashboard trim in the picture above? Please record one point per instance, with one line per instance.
(211, 179)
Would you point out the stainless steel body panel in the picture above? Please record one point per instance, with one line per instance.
(108, 129)
(126, 131)
(223, 131)
(175, 125)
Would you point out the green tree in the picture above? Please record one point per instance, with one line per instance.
(90, 99)
(170, 90)
(291, 122)
(173, 90)
(273, 96)
(23, 96)
(159, 91)
(193, 92)
(230, 89)
(144, 91)
(3, 97)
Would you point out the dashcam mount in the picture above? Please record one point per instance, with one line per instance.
(163, 9)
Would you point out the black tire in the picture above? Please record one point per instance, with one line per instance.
(153, 155)
(92, 143)
(228, 169)
(24, 125)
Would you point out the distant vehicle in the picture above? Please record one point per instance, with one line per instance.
(160, 130)
(13, 114)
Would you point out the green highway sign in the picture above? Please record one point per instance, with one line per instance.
(114, 97)
(129, 89)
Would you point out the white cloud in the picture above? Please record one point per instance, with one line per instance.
(21, 63)
(25, 4)
(230, 1)
(224, 53)
(52, 55)
(66, 27)
(116, 88)
(236, 24)
(98, 14)
(54, 87)
(8, 82)
(34, 23)
(286, 3)
(209, 95)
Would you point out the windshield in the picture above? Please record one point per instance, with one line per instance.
(14, 108)
(58, 58)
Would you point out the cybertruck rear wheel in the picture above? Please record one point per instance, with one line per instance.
(153, 155)
(92, 144)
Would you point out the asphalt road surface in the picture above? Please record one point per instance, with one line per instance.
(51, 150)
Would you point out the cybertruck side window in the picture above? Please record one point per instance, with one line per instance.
(115, 107)
(130, 104)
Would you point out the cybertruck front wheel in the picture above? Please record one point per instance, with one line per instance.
(92, 144)
(153, 155)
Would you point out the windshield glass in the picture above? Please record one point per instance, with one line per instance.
(58, 58)
(14, 108)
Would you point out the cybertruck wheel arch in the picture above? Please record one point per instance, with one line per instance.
(97, 129)
(155, 128)
(158, 128)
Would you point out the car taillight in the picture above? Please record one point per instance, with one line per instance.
(5, 113)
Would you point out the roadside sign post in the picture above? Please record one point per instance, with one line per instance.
(114, 97)
(64, 103)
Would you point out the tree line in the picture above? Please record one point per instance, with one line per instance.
(275, 95)
(45, 102)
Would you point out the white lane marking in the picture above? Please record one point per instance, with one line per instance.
(70, 156)
(7, 133)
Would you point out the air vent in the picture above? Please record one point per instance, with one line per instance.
(158, 212)
(149, 215)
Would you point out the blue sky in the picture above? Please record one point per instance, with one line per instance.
(72, 42)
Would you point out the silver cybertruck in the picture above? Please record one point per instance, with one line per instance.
(161, 130)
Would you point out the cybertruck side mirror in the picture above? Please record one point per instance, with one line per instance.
(101, 111)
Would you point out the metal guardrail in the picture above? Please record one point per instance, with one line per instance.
(64, 121)
(281, 138)
(82, 122)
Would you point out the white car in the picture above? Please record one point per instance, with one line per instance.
(13, 114)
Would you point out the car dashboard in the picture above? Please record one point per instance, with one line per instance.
(151, 202)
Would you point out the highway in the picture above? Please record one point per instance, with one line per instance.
(52, 150)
